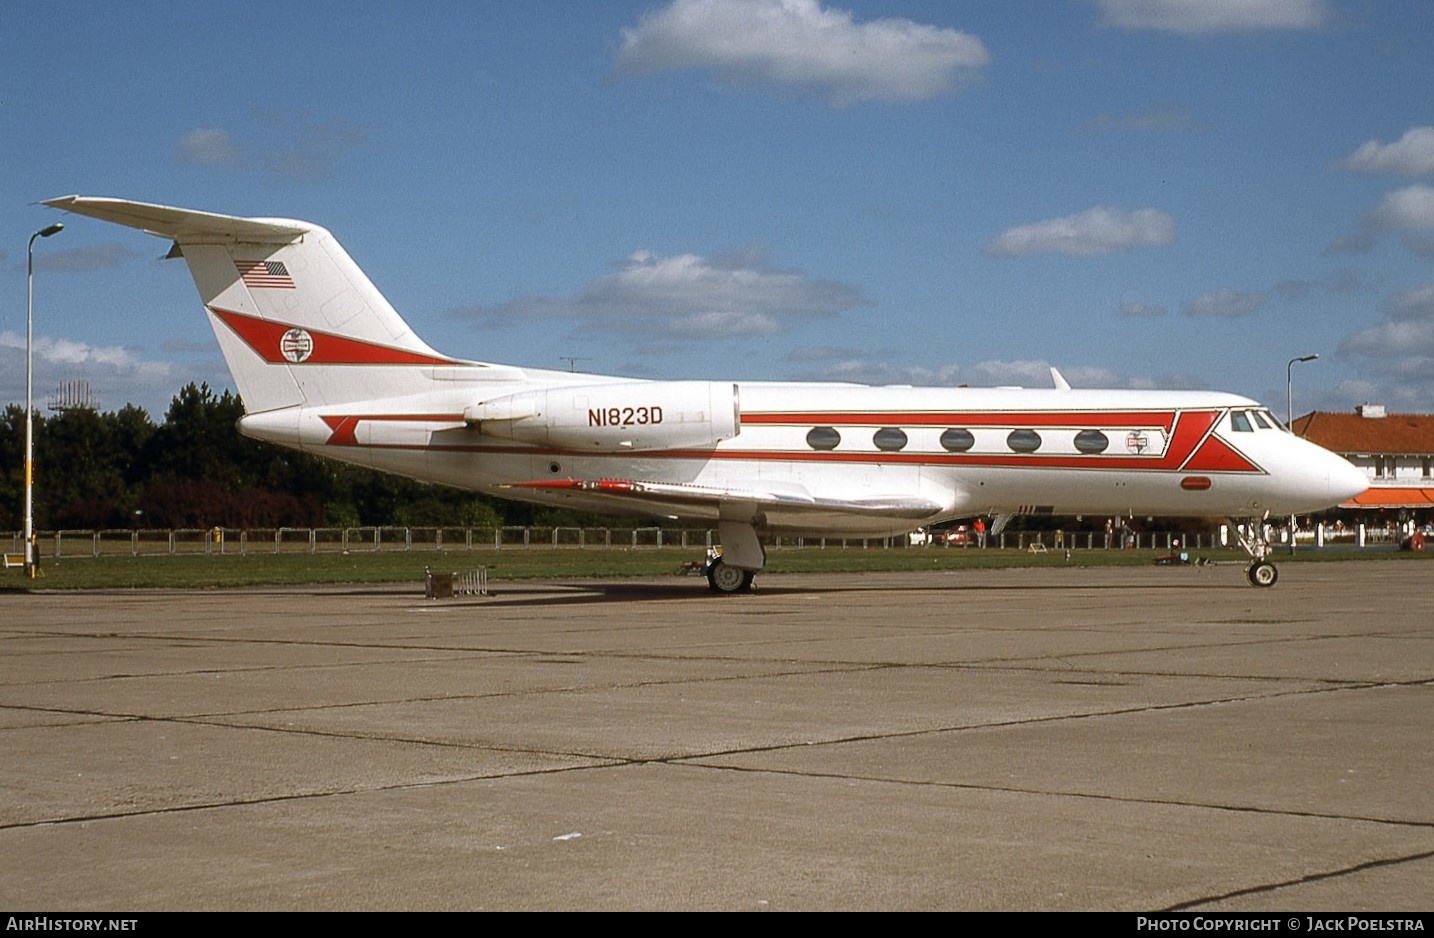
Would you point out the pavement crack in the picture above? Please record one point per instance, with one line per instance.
(1266, 888)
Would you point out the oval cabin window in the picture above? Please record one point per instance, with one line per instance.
(889, 439)
(1024, 441)
(957, 440)
(1091, 442)
(823, 438)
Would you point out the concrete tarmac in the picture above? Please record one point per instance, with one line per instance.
(1119, 739)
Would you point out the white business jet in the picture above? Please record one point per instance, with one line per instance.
(325, 365)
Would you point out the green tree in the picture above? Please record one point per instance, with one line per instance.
(12, 467)
(198, 440)
(85, 467)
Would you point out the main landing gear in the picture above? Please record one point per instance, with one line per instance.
(1250, 532)
(726, 579)
(730, 568)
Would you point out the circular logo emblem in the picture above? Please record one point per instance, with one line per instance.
(1136, 442)
(296, 345)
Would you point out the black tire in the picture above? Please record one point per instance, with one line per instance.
(1262, 573)
(728, 580)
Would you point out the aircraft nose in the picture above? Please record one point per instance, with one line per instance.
(1345, 480)
(1318, 479)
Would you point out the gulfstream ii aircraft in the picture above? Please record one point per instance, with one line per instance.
(325, 365)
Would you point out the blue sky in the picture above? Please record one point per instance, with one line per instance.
(1172, 193)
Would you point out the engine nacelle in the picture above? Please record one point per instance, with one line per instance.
(624, 417)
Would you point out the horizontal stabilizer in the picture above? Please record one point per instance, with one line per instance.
(181, 224)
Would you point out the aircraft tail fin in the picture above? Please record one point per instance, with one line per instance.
(297, 320)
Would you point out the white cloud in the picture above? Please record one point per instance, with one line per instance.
(1225, 303)
(821, 353)
(1026, 373)
(686, 296)
(1398, 354)
(724, 325)
(1342, 282)
(1410, 155)
(1416, 303)
(1212, 17)
(1409, 210)
(117, 375)
(1361, 242)
(989, 373)
(210, 146)
(105, 256)
(797, 44)
(1395, 344)
(1420, 244)
(70, 352)
(1099, 230)
(1403, 209)
(293, 146)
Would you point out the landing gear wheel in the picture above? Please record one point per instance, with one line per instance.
(727, 580)
(1262, 573)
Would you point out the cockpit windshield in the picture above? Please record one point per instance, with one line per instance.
(1249, 421)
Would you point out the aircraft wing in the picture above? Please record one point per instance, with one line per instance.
(681, 499)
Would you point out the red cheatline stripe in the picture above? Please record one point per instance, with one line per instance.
(1107, 463)
(1073, 419)
(1192, 430)
(264, 338)
(1215, 455)
(345, 426)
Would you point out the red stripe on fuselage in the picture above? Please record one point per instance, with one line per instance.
(1215, 455)
(264, 337)
(344, 429)
(1075, 419)
(1191, 433)
(345, 426)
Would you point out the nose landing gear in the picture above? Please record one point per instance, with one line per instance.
(1250, 532)
(1262, 573)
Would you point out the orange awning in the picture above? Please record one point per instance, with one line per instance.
(1393, 497)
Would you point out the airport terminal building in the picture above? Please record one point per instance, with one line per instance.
(1396, 451)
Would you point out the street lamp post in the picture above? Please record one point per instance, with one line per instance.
(1290, 416)
(1289, 388)
(29, 398)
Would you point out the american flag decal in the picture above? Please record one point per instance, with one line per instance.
(268, 275)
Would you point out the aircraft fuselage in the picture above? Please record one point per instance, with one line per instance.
(951, 452)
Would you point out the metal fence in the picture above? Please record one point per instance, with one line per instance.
(70, 544)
